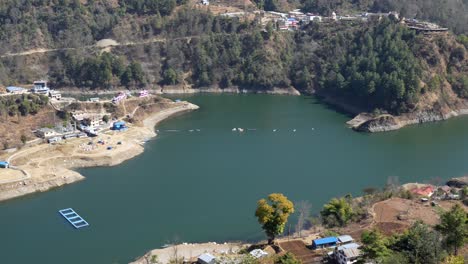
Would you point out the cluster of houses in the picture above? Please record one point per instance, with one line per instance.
(293, 19)
(39, 87)
(437, 193)
(59, 133)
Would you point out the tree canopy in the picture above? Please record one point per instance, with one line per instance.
(272, 213)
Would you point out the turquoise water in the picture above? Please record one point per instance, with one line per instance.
(203, 186)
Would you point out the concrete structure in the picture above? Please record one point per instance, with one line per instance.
(206, 258)
(345, 239)
(347, 254)
(324, 242)
(46, 132)
(16, 90)
(40, 87)
(54, 140)
(55, 95)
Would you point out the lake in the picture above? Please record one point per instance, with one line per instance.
(203, 185)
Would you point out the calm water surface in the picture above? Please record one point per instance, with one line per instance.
(203, 186)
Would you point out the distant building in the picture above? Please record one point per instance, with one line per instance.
(206, 258)
(324, 242)
(4, 164)
(55, 95)
(258, 253)
(205, 2)
(15, 90)
(54, 140)
(119, 126)
(46, 132)
(40, 87)
(347, 254)
(345, 239)
(424, 191)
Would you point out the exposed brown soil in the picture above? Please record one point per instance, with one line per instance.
(299, 249)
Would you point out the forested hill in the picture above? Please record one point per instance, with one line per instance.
(374, 66)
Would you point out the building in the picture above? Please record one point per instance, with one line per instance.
(324, 242)
(258, 253)
(205, 2)
(206, 258)
(40, 87)
(54, 140)
(347, 254)
(424, 191)
(15, 90)
(46, 132)
(55, 95)
(119, 126)
(4, 164)
(345, 239)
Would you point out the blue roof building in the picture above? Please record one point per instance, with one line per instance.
(119, 125)
(4, 164)
(14, 89)
(324, 242)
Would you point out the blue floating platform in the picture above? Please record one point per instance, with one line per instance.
(73, 218)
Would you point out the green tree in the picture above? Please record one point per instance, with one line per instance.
(337, 212)
(375, 246)
(272, 213)
(454, 226)
(170, 76)
(106, 118)
(420, 244)
(287, 258)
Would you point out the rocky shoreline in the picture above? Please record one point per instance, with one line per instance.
(57, 168)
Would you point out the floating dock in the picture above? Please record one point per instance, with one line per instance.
(72, 217)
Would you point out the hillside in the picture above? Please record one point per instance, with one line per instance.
(380, 67)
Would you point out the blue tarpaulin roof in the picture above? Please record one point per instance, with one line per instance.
(119, 123)
(325, 240)
(4, 163)
(14, 89)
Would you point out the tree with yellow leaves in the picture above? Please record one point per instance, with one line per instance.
(273, 213)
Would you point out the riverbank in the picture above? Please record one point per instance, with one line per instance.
(51, 166)
(181, 89)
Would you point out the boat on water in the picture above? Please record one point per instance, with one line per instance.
(234, 129)
(240, 129)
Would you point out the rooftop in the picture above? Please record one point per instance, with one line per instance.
(325, 240)
(351, 252)
(207, 257)
(345, 239)
(348, 246)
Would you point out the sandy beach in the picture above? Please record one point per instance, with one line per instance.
(190, 251)
(46, 166)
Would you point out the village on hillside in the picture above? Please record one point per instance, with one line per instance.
(320, 244)
(293, 20)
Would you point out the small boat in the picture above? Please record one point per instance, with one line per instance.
(198, 130)
(294, 130)
(274, 130)
(234, 129)
(240, 129)
(191, 130)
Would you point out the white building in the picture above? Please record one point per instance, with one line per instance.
(345, 239)
(55, 95)
(46, 132)
(258, 253)
(206, 258)
(40, 87)
(347, 254)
